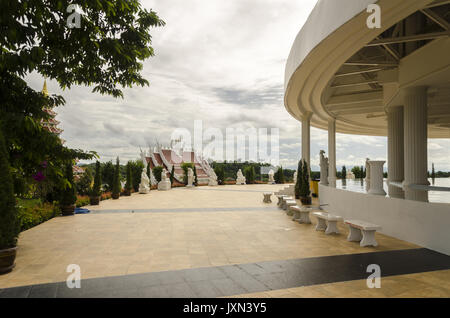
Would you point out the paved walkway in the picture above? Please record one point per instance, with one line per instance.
(191, 232)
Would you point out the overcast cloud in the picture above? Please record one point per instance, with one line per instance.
(218, 61)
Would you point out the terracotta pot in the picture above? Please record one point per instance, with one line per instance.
(115, 196)
(94, 200)
(68, 210)
(7, 258)
(306, 200)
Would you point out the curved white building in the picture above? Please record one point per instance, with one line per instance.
(345, 75)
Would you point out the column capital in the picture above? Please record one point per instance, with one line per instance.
(307, 115)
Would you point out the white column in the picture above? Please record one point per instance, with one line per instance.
(395, 150)
(332, 152)
(376, 177)
(306, 138)
(415, 142)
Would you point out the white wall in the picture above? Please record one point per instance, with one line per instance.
(421, 223)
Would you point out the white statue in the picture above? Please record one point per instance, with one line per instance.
(271, 179)
(323, 168)
(295, 176)
(164, 184)
(350, 175)
(190, 178)
(212, 178)
(144, 186)
(240, 178)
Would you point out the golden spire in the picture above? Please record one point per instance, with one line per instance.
(44, 90)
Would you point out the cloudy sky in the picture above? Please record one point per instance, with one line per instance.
(218, 61)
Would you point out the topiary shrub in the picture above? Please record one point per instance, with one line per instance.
(172, 175)
(185, 166)
(69, 195)
(157, 171)
(129, 183)
(195, 177)
(220, 173)
(9, 221)
(298, 184)
(96, 189)
(305, 190)
(117, 188)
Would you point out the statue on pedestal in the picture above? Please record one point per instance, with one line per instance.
(323, 168)
(190, 178)
(295, 176)
(164, 184)
(212, 178)
(144, 186)
(240, 178)
(271, 179)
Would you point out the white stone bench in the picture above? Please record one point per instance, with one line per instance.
(283, 201)
(288, 204)
(301, 214)
(267, 196)
(280, 199)
(327, 222)
(363, 232)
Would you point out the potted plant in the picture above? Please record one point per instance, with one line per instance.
(9, 221)
(305, 191)
(129, 183)
(69, 196)
(116, 181)
(96, 190)
(298, 184)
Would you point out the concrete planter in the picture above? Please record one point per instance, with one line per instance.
(68, 210)
(7, 258)
(94, 200)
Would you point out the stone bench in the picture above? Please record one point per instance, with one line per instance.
(267, 196)
(280, 199)
(327, 222)
(288, 204)
(283, 201)
(301, 214)
(363, 232)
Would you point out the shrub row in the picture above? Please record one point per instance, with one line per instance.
(30, 216)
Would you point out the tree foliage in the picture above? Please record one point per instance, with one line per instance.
(298, 184)
(129, 182)
(117, 188)
(96, 190)
(305, 190)
(105, 52)
(9, 221)
(69, 196)
(157, 171)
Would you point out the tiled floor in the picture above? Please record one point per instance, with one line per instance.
(166, 233)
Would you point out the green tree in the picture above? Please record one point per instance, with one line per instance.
(9, 221)
(305, 190)
(84, 184)
(108, 175)
(344, 172)
(279, 176)
(129, 182)
(117, 188)
(157, 171)
(105, 51)
(136, 171)
(69, 196)
(433, 173)
(220, 173)
(298, 184)
(195, 176)
(357, 172)
(96, 190)
(172, 175)
(185, 166)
